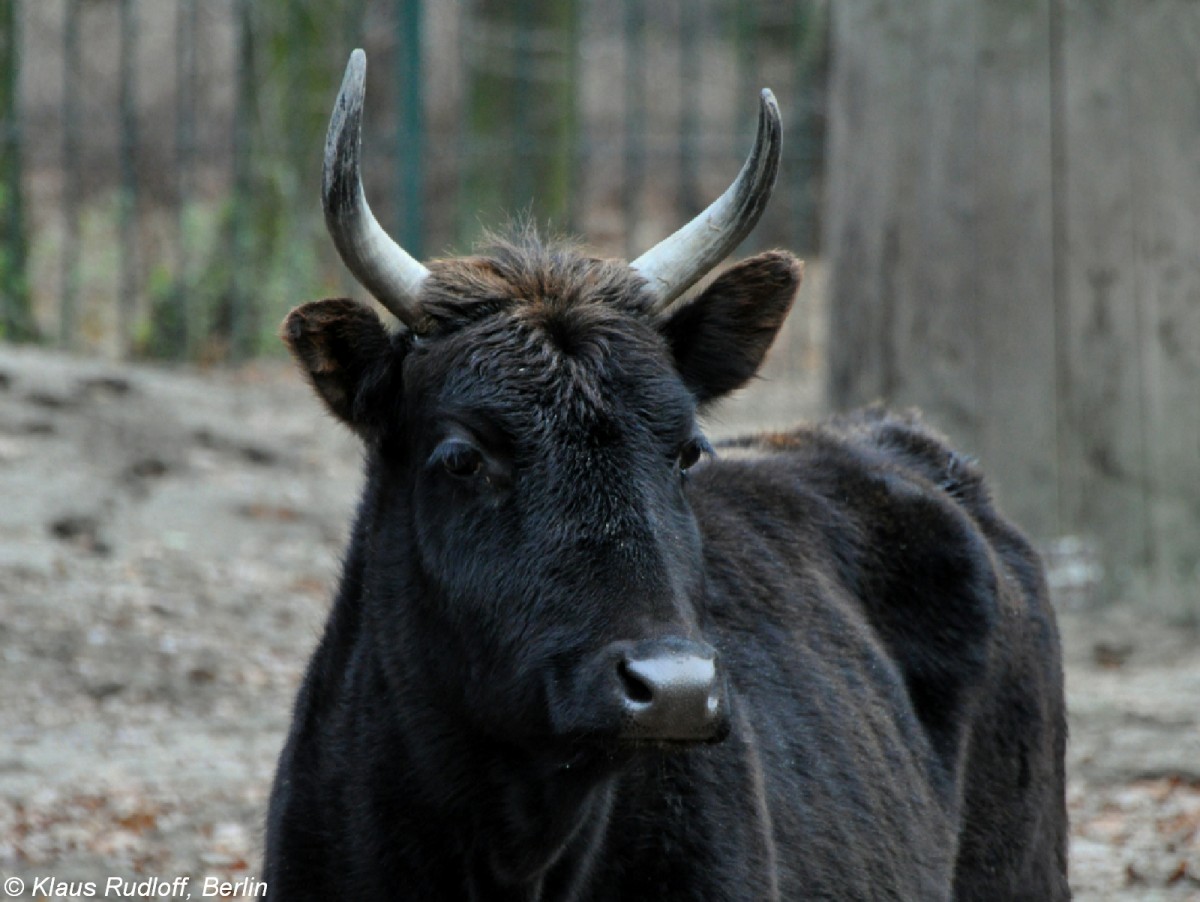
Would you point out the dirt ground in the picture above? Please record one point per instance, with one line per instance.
(168, 542)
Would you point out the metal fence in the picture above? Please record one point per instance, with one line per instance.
(160, 161)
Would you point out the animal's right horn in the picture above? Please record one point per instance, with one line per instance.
(383, 267)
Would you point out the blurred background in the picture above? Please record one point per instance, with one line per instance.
(162, 159)
(1005, 198)
(999, 201)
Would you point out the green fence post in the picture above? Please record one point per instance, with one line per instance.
(574, 171)
(523, 187)
(689, 200)
(186, 77)
(806, 138)
(745, 23)
(128, 203)
(240, 325)
(635, 122)
(410, 129)
(16, 319)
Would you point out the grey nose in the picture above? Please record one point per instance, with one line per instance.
(672, 690)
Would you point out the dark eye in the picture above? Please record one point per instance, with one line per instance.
(458, 458)
(691, 452)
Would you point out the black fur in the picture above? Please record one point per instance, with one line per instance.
(895, 688)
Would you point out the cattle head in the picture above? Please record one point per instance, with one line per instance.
(528, 555)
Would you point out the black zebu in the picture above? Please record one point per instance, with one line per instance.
(573, 657)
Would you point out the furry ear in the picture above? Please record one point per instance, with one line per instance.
(719, 339)
(345, 352)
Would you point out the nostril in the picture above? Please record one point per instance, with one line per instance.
(667, 689)
(636, 689)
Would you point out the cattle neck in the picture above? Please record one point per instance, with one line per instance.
(542, 844)
(515, 824)
(514, 821)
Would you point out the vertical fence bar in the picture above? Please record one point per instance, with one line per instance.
(802, 94)
(240, 245)
(744, 34)
(688, 201)
(463, 223)
(185, 155)
(274, 234)
(523, 143)
(352, 34)
(16, 320)
(810, 54)
(410, 129)
(635, 122)
(576, 172)
(72, 187)
(128, 202)
(745, 41)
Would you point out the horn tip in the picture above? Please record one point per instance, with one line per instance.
(341, 138)
(356, 72)
(353, 83)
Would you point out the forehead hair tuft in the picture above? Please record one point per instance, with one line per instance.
(534, 279)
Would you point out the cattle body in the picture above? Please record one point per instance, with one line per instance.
(577, 653)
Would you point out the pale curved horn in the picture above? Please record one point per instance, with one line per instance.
(382, 266)
(676, 263)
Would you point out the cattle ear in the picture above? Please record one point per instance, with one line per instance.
(720, 338)
(344, 350)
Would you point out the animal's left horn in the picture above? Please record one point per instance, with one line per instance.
(676, 263)
(382, 266)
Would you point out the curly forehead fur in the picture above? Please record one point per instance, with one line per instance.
(532, 326)
(546, 284)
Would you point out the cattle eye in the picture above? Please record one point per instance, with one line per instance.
(691, 452)
(458, 458)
